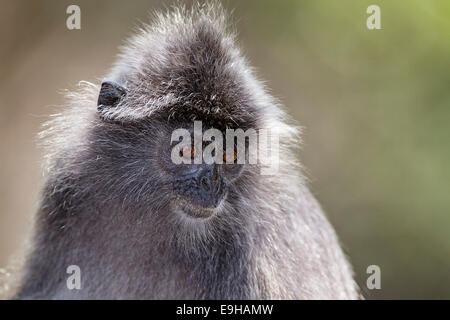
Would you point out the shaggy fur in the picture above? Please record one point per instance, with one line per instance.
(106, 203)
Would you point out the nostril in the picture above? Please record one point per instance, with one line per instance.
(205, 183)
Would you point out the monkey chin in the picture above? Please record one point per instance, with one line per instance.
(194, 211)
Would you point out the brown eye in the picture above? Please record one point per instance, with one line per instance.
(188, 152)
(231, 157)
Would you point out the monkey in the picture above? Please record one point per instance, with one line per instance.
(139, 226)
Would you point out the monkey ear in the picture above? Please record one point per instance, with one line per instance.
(110, 95)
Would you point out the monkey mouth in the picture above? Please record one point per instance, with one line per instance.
(194, 210)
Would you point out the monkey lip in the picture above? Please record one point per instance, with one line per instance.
(194, 210)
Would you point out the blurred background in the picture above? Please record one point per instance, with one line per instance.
(374, 104)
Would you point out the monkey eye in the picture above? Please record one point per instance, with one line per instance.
(188, 152)
(231, 157)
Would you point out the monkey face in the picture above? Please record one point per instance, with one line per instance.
(200, 185)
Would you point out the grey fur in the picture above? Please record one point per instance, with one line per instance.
(106, 208)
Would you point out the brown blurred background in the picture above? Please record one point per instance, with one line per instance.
(375, 106)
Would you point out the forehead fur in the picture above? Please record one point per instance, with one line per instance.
(186, 65)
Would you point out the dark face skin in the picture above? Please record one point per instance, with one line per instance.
(198, 190)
